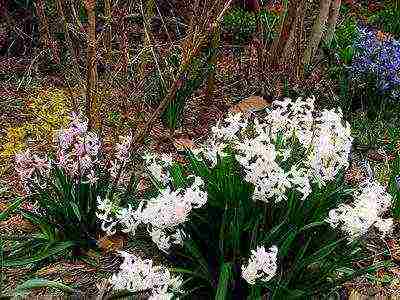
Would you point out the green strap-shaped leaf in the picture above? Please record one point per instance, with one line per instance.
(40, 283)
(312, 225)
(6, 213)
(195, 252)
(49, 251)
(194, 273)
(284, 248)
(76, 211)
(225, 277)
(41, 222)
(320, 254)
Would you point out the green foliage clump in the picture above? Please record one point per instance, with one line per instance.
(193, 79)
(269, 22)
(313, 257)
(114, 118)
(345, 37)
(367, 132)
(394, 187)
(340, 53)
(50, 8)
(241, 24)
(310, 252)
(388, 19)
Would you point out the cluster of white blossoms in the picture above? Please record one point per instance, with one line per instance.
(370, 202)
(137, 275)
(317, 144)
(161, 215)
(157, 166)
(106, 212)
(330, 153)
(262, 265)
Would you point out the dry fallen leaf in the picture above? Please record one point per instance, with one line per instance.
(3, 206)
(251, 104)
(111, 243)
(379, 156)
(183, 144)
(47, 271)
(381, 35)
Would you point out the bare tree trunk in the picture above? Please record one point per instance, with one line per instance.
(300, 44)
(92, 105)
(316, 34)
(332, 20)
(253, 5)
(280, 42)
(108, 34)
(3, 8)
(294, 48)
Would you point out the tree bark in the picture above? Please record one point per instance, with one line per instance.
(297, 71)
(252, 5)
(108, 34)
(316, 34)
(280, 42)
(332, 20)
(92, 105)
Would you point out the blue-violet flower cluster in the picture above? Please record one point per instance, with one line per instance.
(377, 56)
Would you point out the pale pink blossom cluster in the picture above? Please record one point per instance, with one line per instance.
(78, 154)
(30, 168)
(262, 265)
(78, 149)
(138, 275)
(371, 201)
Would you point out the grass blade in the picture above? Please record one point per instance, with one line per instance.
(6, 213)
(40, 256)
(40, 283)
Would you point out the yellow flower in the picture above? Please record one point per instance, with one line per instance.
(48, 111)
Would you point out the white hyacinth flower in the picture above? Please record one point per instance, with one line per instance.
(355, 219)
(263, 147)
(137, 275)
(262, 265)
